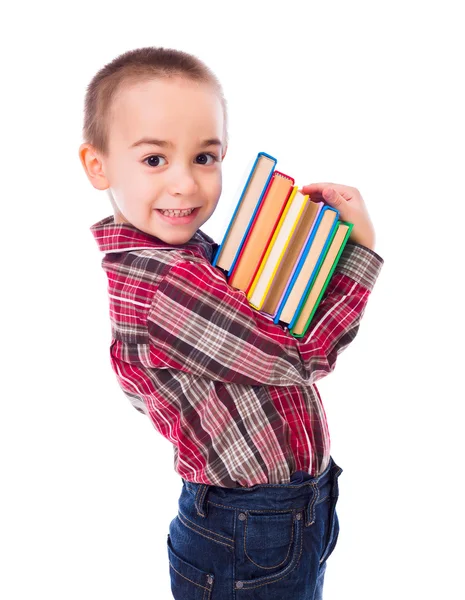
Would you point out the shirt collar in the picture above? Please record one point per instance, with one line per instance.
(122, 237)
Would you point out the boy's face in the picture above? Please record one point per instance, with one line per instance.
(179, 169)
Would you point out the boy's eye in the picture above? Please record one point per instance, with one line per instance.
(208, 155)
(154, 159)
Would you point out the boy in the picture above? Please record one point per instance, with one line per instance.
(234, 392)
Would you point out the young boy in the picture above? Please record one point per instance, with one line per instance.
(234, 392)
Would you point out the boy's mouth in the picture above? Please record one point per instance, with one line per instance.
(177, 212)
(180, 217)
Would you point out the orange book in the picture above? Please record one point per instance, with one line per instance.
(261, 231)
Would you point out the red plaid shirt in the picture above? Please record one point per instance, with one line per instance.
(234, 392)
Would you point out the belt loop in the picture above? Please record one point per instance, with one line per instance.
(310, 510)
(201, 499)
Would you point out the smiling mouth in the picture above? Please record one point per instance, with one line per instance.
(178, 211)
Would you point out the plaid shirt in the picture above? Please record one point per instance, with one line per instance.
(234, 392)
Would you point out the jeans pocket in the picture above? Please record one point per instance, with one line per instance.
(188, 581)
(268, 538)
(272, 547)
(332, 529)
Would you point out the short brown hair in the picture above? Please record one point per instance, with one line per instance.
(137, 65)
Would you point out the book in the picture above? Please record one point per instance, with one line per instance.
(281, 247)
(261, 231)
(268, 273)
(299, 324)
(286, 264)
(244, 213)
(308, 264)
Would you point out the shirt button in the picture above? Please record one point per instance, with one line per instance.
(239, 584)
(242, 517)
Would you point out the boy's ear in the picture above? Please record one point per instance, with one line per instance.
(93, 166)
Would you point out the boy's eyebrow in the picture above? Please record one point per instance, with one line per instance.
(164, 143)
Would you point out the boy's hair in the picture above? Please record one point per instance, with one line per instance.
(134, 66)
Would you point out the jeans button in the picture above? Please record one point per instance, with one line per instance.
(239, 584)
(242, 517)
(298, 516)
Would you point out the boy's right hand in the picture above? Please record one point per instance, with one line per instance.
(351, 206)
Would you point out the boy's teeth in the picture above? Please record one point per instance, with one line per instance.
(176, 213)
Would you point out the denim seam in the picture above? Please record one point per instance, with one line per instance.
(274, 510)
(194, 582)
(334, 495)
(265, 486)
(288, 548)
(207, 530)
(205, 536)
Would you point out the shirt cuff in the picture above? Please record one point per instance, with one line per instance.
(360, 264)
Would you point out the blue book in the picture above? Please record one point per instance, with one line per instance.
(308, 265)
(313, 296)
(244, 214)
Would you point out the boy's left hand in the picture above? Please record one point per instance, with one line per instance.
(351, 206)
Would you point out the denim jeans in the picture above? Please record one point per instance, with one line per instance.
(268, 541)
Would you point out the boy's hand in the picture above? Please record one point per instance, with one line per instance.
(349, 202)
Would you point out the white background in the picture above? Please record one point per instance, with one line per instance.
(366, 94)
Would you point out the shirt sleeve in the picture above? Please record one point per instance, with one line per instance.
(199, 324)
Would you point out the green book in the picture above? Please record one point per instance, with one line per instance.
(301, 320)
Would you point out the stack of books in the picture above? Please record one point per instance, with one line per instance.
(280, 247)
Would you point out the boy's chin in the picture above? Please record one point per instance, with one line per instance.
(175, 238)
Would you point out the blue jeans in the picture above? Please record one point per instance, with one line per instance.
(263, 542)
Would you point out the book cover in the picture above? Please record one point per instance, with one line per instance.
(244, 213)
(261, 231)
(314, 294)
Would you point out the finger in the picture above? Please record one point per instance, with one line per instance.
(318, 191)
(328, 195)
(334, 198)
(323, 191)
(317, 188)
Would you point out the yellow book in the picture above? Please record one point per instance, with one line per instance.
(277, 248)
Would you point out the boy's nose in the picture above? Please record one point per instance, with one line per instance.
(182, 181)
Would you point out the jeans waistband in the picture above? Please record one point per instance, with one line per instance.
(269, 497)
